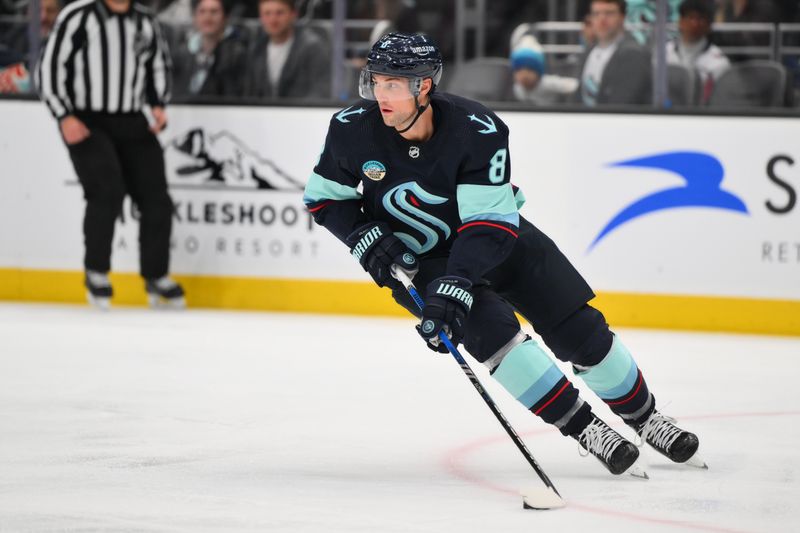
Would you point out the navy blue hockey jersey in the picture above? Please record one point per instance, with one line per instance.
(450, 195)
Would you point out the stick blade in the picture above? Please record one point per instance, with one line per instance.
(541, 499)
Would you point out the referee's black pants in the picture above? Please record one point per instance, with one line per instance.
(122, 156)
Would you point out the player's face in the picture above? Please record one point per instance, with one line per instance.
(394, 99)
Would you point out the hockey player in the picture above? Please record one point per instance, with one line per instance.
(417, 179)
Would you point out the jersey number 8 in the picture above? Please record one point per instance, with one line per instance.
(497, 166)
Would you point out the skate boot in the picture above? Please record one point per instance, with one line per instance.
(615, 452)
(98, 289)
(164, 292)
(678, 445)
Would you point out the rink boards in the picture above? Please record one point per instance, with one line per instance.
(676, 221)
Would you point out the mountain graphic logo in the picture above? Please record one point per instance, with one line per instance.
(702, 175)
(199, 159)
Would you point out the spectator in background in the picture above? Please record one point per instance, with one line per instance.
(617, 70)
(287, 61)
(48, 12)
(587, 37)
(211, 59)
(531, 84)
(572, 63)
(693, 48)
(14, 75)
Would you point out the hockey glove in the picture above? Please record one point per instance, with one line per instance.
(377, 249)
(447, 305)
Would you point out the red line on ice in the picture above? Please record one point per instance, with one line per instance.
(452, 463)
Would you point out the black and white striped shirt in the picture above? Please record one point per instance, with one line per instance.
(98, 60)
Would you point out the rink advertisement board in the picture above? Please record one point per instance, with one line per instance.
(669, 218)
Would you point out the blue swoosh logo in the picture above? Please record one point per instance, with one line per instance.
(703, 174)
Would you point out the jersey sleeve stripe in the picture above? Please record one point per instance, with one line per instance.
(319, 189)
(481, 223)
(512, 219)
(320, 206)
(487, 202)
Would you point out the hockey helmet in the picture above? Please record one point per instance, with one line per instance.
(404, 55)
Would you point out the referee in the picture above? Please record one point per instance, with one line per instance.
(103, 62)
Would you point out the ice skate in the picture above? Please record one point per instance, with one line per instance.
(98, 289)
(616, 453)
(164, 292)
(678, 445)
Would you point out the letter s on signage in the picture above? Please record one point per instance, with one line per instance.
(781, 210)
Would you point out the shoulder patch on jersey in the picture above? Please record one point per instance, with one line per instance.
(489, 126)
(342, 115)
(374, 170)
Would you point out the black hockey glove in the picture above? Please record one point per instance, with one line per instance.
(377, 249)
(447, 304)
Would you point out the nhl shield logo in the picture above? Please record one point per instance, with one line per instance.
(413, 152)
(374, 170)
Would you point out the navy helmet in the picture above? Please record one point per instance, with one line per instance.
(406, 55)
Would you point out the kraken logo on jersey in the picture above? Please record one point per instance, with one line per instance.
(396, 202)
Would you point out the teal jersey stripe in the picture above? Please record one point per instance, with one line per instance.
(510, 219)
(519, 198)
(319, 188)
(482, 202)
(616, 374)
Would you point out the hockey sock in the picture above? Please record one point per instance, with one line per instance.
(536, 382)
(619, 382)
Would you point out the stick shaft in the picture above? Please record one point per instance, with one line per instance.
(412, 291)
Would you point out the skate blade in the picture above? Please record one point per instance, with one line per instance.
(697, 462)
(157, 302)
(541, 499)
(98, 302)
(637, 471)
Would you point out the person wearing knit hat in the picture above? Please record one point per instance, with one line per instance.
(528, 54)
(531, 83)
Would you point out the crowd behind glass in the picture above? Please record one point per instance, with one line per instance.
(719, 53)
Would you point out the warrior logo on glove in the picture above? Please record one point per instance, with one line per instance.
(378, 250)
(365, 242)
(447, 305)
(447, 288)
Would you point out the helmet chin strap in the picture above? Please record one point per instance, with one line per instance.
(420, 110)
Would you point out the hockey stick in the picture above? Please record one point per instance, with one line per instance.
(538, 498)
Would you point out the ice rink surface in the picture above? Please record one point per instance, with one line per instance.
(205, 421)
